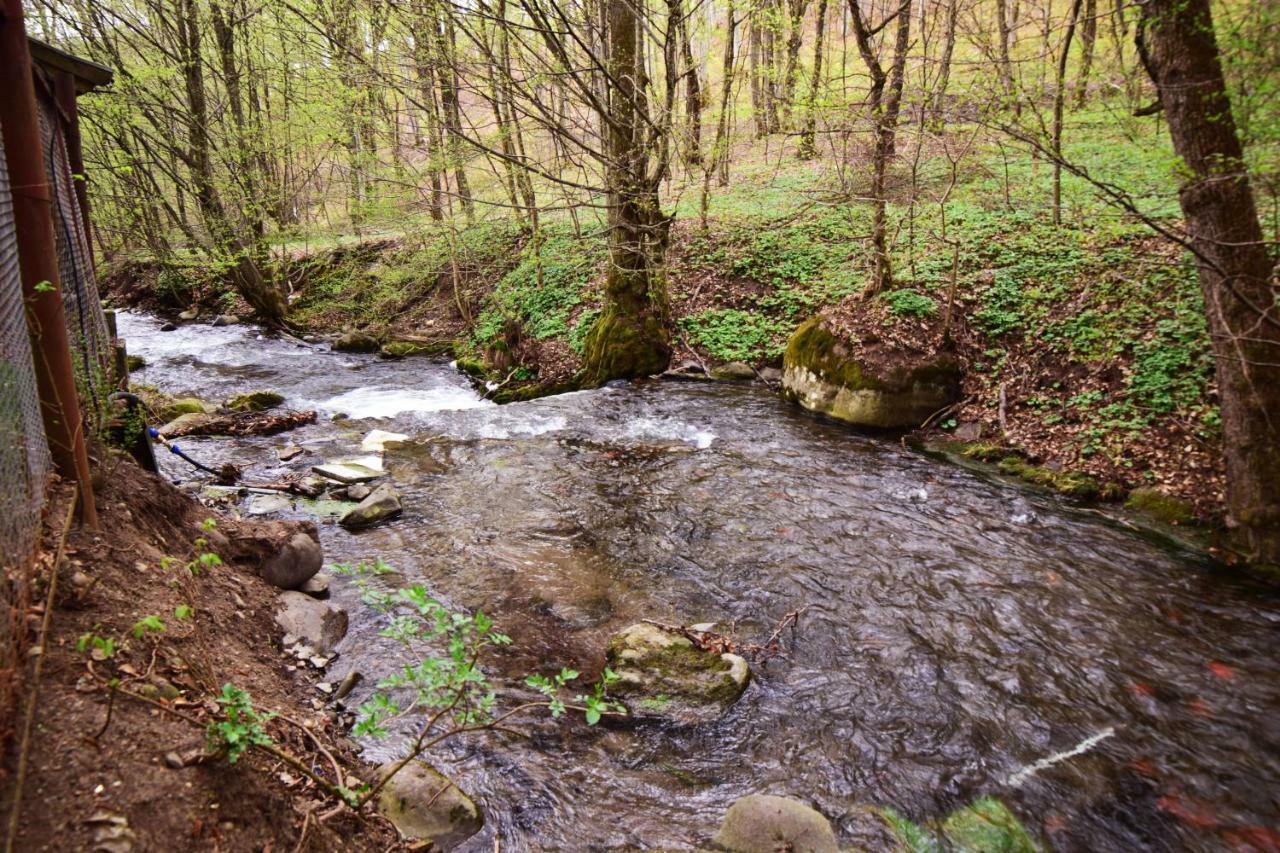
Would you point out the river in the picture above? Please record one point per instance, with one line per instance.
(959, 629)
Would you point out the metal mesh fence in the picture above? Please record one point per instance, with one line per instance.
(86, 325)
(24, 458)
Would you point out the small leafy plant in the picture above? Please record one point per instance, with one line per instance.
(241, 726)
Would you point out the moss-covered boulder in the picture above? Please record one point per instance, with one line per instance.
(663, 675)
(821, 373)
(185, 406)
(761, 823)
(1161, 506)
(354, 341)
(427, 807)
(254, 401)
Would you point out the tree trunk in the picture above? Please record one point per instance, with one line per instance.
(883, 101)
(1088, 38)
(939, 97)
(447, 74)
(1002, 47)
(1059, 96)
(630, 337)
(808, 148)
(692, 93)
(720, 150)
(264, 297)
(795, 38)
(1177, 43)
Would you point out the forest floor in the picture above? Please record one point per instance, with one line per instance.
(1084, 344)
(114, 772)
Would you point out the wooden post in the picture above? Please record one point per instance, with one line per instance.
(64, 87)
(38, 261)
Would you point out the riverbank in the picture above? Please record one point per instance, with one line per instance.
(144, 635)
(1070, 364)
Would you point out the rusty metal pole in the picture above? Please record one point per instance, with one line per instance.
(38, 261)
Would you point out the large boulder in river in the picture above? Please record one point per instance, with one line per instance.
(427, 807)
(823, 374)
(381, 504)
(353, 341)
(761, 823)
(662, 674)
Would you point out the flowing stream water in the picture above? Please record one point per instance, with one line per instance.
(964, 636)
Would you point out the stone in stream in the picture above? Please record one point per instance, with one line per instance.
(822, 374)
(254, 401)
(318, 624)
(663, 675)
(351, 471)
(168, 327)
(289, 452)
(296, 562)
(425, 806)
(376, 440)
(381, 504)
(734, 371)
(760, 823)
(354, 341)
(316, 586)
(190, 314)
(358, 491)
(185, 422)
(225, 320)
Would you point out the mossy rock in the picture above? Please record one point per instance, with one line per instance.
(354, 341)
(405, 349)
(1161, 506)
(134, 362)
(663, 675)
(185, 406)
(428, 807)
(821, 374)
(254, 401)
(761, 823)
(473, 367)
(986, 826)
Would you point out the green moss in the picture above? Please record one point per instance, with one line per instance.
(814, 348)
(135, 362)
(625, 346)
(472, 367)
(983, 452)
(404, 349)
(1163, 507)
(254, 401)
(987, 826)
(1071, 483)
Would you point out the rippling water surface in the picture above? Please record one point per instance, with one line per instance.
(958, 630)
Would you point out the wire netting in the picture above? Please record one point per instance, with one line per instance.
(86, 325)
(24, 460)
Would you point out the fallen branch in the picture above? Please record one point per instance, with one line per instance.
(717, 643)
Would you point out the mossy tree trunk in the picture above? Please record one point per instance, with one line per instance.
(1177, 44)
(630, 337)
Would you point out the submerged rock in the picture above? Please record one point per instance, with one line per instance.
(318, 624)
(1161, 506)
(288, 452)
(254, 401)
(662, 674)
(376, 441)
(356, 342)
(986, 826)
(734, 371)
(381, 504)
(761, 823)
(426, 806)
(822, 374)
